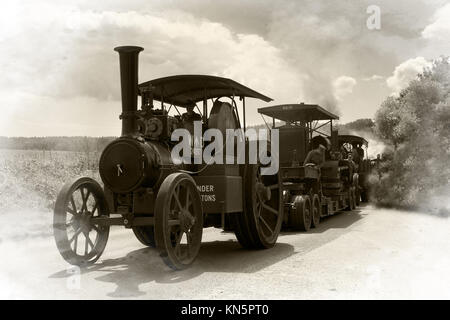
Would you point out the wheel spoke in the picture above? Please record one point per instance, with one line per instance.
(75, 236)
(269, 208)
(175, 195)
(86, 245)
(87, 197)
(84, 197)
(88, 240)
(265, 223)
(95, 208)
(173, 222)
(187, 199)
(82, 194)
(72, 201)
(75, 244)
(69, 224)
(258, 207)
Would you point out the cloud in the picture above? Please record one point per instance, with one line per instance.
(78, 64)
(289, 50)
(436, 35)
(343, 86)
(439, 29)
(374, 77)
(406, 72)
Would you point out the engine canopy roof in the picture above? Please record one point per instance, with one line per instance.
(348, 138)
(298, 112)
(181, 90)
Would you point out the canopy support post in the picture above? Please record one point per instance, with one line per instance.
(243, 111)
(205, 107)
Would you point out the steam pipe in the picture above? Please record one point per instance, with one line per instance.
(128, 56)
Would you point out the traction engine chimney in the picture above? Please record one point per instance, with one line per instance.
(129, 87)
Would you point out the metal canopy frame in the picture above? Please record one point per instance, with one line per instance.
(182, 90)
(298, 112)
(308, 116)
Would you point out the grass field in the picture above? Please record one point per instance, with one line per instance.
(31, 179)
(29, 184)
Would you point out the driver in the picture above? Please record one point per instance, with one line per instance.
(316, 156)
(188, 119)
(190, 114)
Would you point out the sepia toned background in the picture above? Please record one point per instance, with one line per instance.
(60, 106)
(60, 75)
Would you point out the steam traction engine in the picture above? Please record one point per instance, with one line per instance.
(311, 192)
(167, 205)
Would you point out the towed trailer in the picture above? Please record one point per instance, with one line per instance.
(310, 192)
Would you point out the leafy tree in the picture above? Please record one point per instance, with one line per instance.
(416, 124)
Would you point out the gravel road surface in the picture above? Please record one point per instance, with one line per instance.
(369, 253)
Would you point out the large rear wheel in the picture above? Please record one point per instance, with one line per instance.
(78, 240)
(259, 225)
(178, 220)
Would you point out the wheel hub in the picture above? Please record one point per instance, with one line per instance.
(83, 221)
(186, 220)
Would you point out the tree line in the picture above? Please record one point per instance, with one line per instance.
(78, 144)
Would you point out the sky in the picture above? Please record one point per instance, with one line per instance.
(60, 75)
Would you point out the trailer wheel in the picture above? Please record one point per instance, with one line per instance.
(259, 225)
(301, 213)
(145, 235)
(178, 220)
(316, 210)
(79, 241)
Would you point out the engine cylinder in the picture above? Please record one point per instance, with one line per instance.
(127, 164)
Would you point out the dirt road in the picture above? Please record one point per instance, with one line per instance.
(369, 253)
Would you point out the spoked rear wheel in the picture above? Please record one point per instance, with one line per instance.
(178, 220)
(259, 225)
(78, 240)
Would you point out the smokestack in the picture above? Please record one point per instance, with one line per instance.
(129, 87)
